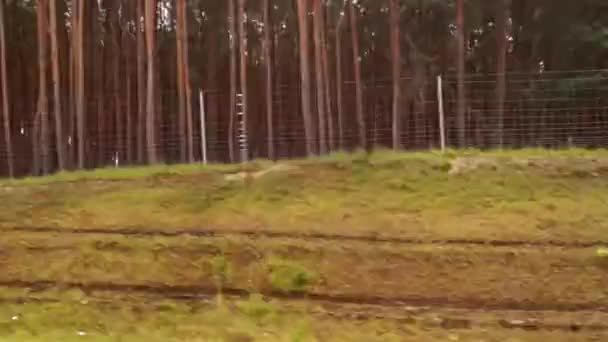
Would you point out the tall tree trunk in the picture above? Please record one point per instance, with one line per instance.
(186, 80)
(210, 73)
(243, 69)
(114, 25)
(57, 86)
(129, 105)
(181, 91)
(395, 15)
(461, 102)
(79, 80)
(96, 54)
(141, 83)
(233, 77)
(71, 125)
(354, 30)
(267, 47)
(321, 120)
(339, 81)
(43, 102)
(279, 119)
(501, 64)
(150, 24)
(6, 107)
(305, 75)
(128, 62)
(327, 88)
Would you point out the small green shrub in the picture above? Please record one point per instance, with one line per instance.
(289, 276)
(258, 309)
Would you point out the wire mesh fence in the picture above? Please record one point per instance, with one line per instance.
(550, 110)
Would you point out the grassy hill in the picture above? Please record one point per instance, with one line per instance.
(522, 195)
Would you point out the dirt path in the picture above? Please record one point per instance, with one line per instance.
(442, 313)
(461, 275)
(314, 237)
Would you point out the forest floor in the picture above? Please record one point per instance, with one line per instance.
(462, 246)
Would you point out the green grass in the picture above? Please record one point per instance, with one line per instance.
(527, 194)
(258, 309)
(382, 155)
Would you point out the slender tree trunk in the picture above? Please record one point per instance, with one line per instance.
(79, 78)
(114, 17)
(71, 127)
(233, 77)
(181, 91)
(129, 107)
(395, 10)
(318, 22)
(305, 75)
(150, 24)
(501, 65)
(128, 62)
(186, 80)
(461, 106)
(57, 86)
(327, 87)
(278, 79)
(210, 73)
(43, 102)
(339, 81)
(357, 70)
(141, 83)
(267, 47)
(100, 61)
(6, 122)
(243, 67)
(96, 54)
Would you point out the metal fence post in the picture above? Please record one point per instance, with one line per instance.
(201, 99)
(441, 112)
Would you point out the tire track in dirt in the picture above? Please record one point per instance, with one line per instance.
(216, 233)
(447, 314)
(192, 292)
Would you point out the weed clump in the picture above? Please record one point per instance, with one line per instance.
(257, 309)
(289, 276)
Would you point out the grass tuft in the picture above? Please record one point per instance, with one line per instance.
(290, 276)
(257, 309)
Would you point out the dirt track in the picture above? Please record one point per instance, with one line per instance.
(551, 285)
(431, 313)
(463, 272)
(495, 290)
(262, 234)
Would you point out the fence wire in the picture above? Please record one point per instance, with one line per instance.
(550, 110)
